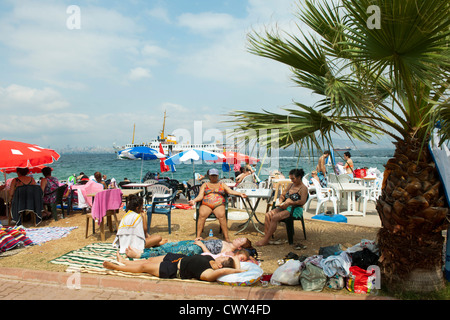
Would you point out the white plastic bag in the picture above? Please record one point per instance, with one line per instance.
(369, 244)
(287, 273)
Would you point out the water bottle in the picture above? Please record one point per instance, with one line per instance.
(211, 233)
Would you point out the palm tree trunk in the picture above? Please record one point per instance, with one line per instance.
(413, 212)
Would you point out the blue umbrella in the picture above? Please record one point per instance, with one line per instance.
(193, 155)
(141, 152)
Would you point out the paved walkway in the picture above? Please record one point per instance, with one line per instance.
(23, 284)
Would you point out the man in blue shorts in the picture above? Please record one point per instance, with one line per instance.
(321, 168)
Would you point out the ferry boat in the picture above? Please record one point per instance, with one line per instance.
(169, 144)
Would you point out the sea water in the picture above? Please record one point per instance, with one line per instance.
(285, 160)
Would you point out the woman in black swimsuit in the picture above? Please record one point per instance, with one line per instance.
(200, 267)
(296, 196)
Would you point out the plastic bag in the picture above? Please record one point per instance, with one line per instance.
(336, 282)
(313, 278)
(359, 173)
(287, 273)
(360, 281)
(369, 244)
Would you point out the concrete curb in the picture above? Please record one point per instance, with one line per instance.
(179, 288)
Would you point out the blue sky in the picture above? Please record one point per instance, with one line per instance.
(130, 61)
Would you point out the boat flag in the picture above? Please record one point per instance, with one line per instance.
(163, 166)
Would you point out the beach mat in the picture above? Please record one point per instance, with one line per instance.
(90, 258)
(45, 234)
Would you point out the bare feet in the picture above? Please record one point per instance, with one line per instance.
(163, 241)
(119, 257)
(133, 253)
(108, 265)
(261, 243)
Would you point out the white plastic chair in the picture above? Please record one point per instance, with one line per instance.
(324, 195)
(311, 192)
(248, 178)
(152, 181)
(332, 178)
(344, 178)
(158, 190)
(246, 185)
(372, 194)
(227, 180)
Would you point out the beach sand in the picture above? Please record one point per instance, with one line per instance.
(319, 234)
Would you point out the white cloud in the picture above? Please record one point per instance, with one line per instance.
(197, 60)
(150, 55)
(15, 97)
(225, 56)
(139, 74)
(207, 23)
(154, 51)
(47, 128)
(40, 42)
(159, 13)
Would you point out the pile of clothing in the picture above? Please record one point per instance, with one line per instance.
(353, 268)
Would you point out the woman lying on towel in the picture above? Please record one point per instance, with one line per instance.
(169, 266)
(192, 247)
(133, 228)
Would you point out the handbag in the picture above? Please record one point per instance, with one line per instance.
(313, 278)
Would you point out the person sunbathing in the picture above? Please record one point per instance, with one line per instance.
(170, 266)
(242, 255)
(191, 247)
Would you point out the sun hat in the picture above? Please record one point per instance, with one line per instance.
(213, 172)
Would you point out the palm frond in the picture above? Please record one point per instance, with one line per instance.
(393, 80)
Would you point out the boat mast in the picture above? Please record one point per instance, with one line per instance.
(134, 128)
(164, 125)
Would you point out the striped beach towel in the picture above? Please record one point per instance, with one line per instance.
(90, 258)
(11, 238)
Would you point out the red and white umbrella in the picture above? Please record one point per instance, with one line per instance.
(236, 157)
(37, 169)
(14, 154)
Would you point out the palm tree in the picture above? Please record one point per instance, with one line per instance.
(392, 80)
